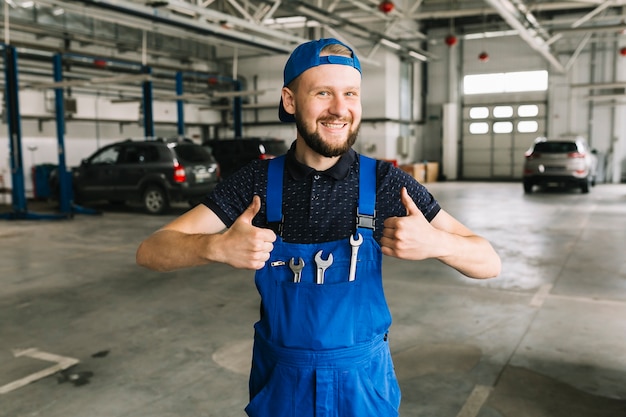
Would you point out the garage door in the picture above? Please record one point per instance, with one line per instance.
(495, 137)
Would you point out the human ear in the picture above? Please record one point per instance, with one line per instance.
(289, 101)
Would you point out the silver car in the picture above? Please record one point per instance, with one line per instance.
(562, 162)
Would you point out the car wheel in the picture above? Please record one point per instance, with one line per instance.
(584, 187)
(155, 200)
(528, 187)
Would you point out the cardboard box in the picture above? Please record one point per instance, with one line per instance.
(423, 172)
(417, 171)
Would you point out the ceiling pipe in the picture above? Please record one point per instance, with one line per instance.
(510, 14)
(358, 30)
(483, 11)
(222, 18)
(152, 14)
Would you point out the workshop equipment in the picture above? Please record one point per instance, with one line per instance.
(355, 244)
(296, 268)
(322, 265)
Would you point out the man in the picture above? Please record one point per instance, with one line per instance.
(314, 224)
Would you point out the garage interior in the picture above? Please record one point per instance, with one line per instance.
(85, 331)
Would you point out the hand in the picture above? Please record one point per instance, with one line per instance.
(411, 237)
(244, 245)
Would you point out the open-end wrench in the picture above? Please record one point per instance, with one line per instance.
(355, 243)
(322, 265)
(296, 268)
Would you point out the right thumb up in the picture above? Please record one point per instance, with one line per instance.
(248, 215)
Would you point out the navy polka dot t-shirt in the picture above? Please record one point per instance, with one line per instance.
(319, 206)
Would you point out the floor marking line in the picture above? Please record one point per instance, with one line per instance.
(475, 401)
(62, 362)
(541, 295)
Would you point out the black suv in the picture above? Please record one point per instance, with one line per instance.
(232, 154)
(154, 172)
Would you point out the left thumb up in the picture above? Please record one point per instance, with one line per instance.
(408, 203)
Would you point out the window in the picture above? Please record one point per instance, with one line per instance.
(106, 156)
(502, 111)
(479, 128)
(479, 113)
(527, 126)
(502, 127)
(505, 82)
(528, 110)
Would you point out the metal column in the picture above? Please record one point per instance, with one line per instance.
(12, 108)
(237, 111)
(65, 179)
(180, 109)
(148, 114)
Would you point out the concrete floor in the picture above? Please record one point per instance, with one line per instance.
(545, 339)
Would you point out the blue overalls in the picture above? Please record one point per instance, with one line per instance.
(321, 350)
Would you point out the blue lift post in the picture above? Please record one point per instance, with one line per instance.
(65, 178)
(180, 109)
(148, 114)
(237, 101)
(66, 195)
(18, 191)
(237, 111)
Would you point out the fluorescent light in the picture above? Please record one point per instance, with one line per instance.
(390, 44)
(417, 55)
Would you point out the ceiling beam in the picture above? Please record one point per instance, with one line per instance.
(511, 14)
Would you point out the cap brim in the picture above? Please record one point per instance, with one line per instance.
(283, 115)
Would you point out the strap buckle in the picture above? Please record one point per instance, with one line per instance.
(366, 221)
(277, 227)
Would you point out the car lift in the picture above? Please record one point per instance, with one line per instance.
(18, 192)
(67, 207)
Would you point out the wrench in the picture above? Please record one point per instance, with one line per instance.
(296, 268)
(355, 243)
(322, 265)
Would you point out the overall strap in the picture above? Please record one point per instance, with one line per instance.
(274, 197)
(367, 193)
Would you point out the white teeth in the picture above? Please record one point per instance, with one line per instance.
(334, 125)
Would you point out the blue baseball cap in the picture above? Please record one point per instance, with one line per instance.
(307, 55)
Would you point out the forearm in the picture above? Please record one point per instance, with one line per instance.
(168, 250)
(473, 256)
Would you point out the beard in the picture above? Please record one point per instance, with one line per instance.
(315, 141)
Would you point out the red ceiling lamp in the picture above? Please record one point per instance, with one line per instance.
(622, 51)
(451, 40)
(386, 6)
(483, 57)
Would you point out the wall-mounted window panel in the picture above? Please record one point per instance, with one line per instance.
(528, 110)
(479, 128)
(502, 127)
(505, 82)
(503, 111)
(527, 126)
(479, 113)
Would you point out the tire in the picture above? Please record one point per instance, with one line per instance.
(155, 200)
(584, 187)
(528, 187)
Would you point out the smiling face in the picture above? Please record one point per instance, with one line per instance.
(326, 102)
